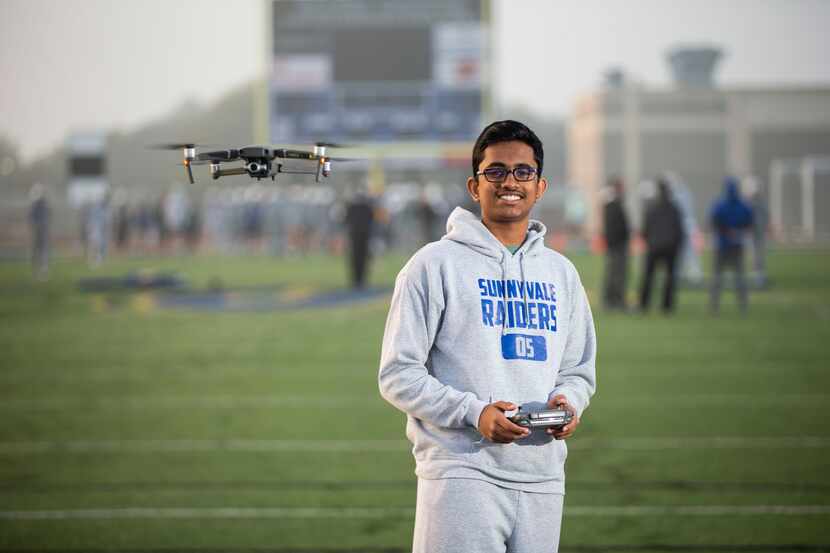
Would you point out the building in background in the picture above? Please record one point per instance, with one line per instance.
(701, 133)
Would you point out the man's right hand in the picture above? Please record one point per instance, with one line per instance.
(494, 426)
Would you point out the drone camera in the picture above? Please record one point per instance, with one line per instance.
(326, 168)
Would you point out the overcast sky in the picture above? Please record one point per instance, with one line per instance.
(80, 64)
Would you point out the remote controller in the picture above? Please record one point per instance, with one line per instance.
(542, 419)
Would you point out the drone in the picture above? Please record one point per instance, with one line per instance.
(258, 162)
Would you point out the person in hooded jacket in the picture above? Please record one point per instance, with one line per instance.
(483, 322)
(663, 233)
(730, 218)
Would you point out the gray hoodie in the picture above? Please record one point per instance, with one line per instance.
(469, 324)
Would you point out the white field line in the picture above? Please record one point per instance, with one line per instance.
(169, 375)
(191, 402)
(696, 510)
(371, 401)
(702, 442)
(392, 446)
(708, 399)
(397, 512)
(204, 446)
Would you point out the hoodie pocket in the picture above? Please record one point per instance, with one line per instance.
(536, 458)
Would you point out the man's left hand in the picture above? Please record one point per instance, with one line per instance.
(559, 401)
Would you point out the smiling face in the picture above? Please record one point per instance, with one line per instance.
(508, 202)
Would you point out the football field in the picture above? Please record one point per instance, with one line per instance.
(133, 424)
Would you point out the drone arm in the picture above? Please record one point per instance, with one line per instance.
(219, 155)
(280, 169)
(217, 173)
(294, 154)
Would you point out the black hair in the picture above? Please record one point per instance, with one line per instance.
(506, 131)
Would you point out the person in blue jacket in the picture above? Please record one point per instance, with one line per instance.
(730, 218)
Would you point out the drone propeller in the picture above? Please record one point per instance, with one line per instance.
(331, 145)
(178, 145)
(171, 146)
(345, 159)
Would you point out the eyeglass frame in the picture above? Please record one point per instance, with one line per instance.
(534, 173)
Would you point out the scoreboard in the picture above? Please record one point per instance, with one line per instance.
(377, 70)
(86, 168)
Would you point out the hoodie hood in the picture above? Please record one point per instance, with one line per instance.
(465, 228)
(730, 189)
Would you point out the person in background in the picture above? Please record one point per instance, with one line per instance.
(617, 233)
(359, 220)
(427, 217)
(663, 233)
(39, 224)
(121, 216)
(98, 229)
(760, 223)
(730, 218)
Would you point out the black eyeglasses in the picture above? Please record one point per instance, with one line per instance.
(522, 173)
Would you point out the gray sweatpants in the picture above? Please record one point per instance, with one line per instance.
(464, 515)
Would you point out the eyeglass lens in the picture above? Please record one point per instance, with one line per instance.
(499, 174)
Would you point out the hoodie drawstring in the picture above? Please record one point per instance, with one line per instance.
(523, 286)
(504, 299)
(524, 282)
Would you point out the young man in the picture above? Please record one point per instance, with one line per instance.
(483, 321)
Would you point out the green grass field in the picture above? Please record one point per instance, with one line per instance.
(130, 427)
